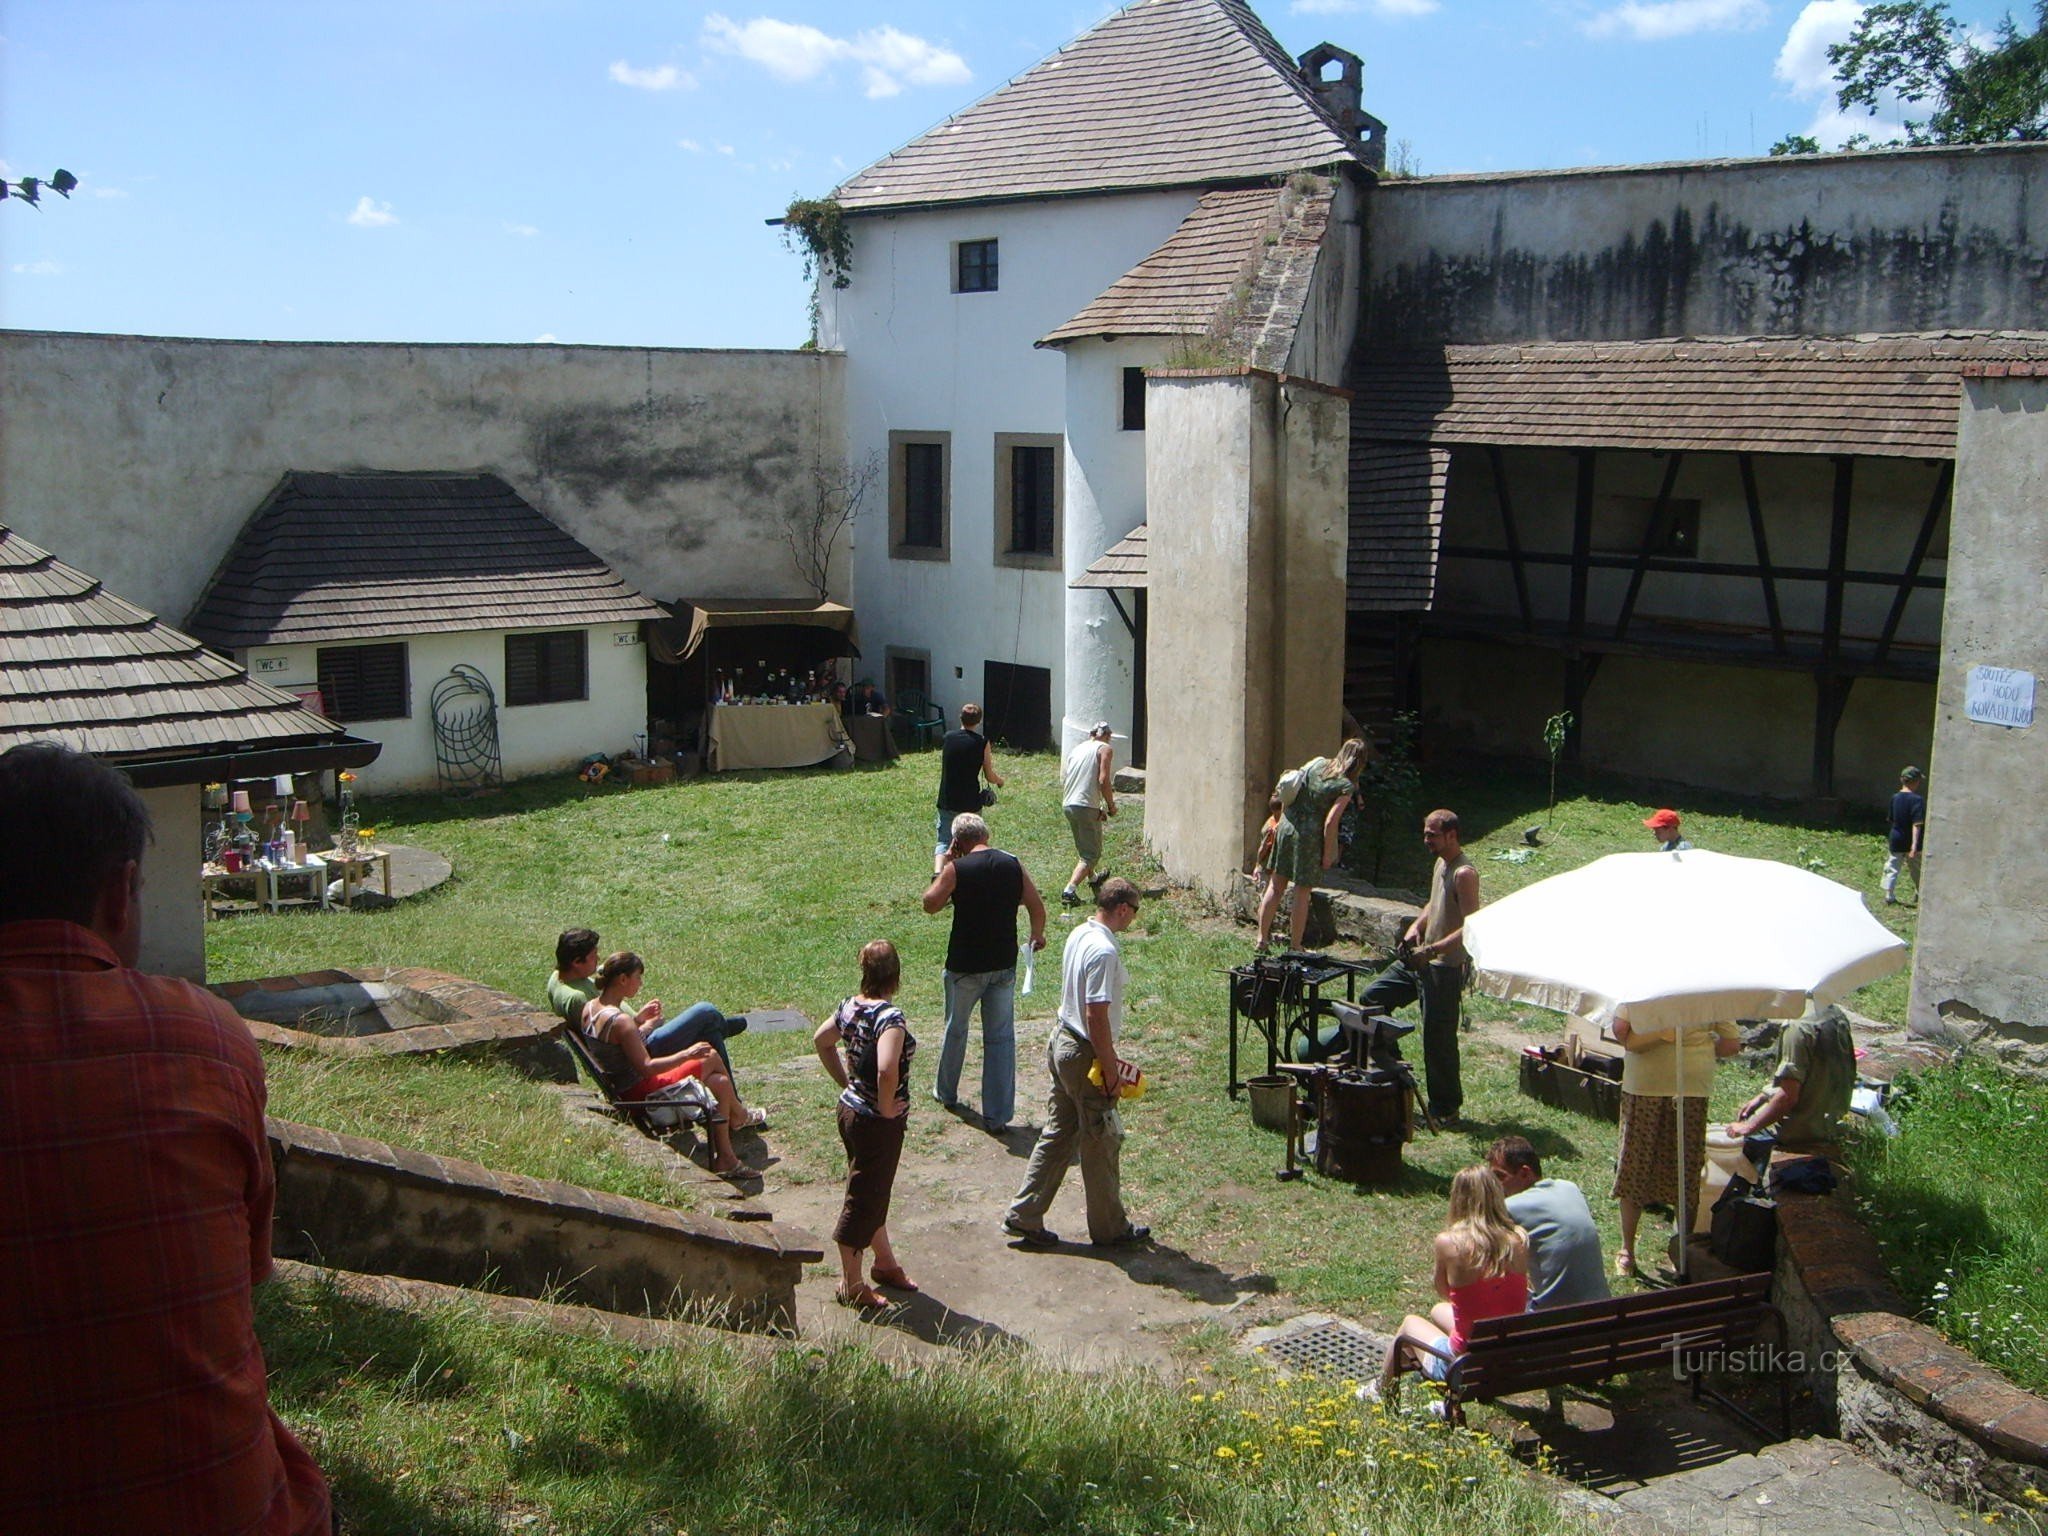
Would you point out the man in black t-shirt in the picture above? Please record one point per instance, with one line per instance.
(965, 759)
(985, 887)
(1909, 826)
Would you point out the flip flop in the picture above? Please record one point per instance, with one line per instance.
(894, 1278)
(755, 1119)
(1625, 1264)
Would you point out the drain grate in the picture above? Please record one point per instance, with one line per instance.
(1329, 1348)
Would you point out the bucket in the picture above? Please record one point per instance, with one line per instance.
(1270, 1096)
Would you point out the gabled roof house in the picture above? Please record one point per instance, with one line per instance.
(374, 587)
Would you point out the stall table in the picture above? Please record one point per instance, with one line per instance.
(268, 881)
(872, 742)
(772, 736)
(353, 869)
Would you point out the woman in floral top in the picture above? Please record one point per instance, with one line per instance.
(866, 1046)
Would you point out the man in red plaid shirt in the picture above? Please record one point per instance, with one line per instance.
(135, 1199)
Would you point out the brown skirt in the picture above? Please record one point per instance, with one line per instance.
(1647, 1170)
(873, 1148)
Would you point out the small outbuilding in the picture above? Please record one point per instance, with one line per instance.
(442, 614)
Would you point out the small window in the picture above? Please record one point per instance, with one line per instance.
(365, 682)
(974, 266)
(1027, 500)
(546, 669)
(1134, 400)
(1621, 524)
(919, 497)
(908, 672)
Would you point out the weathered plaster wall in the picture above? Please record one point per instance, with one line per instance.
(1245, 481)
(173, 922)
(138, 458)
(534, 738)
(1907, 240)
(1328, 328)
(1977, 971)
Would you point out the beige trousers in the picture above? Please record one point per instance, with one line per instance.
(1077, 1113)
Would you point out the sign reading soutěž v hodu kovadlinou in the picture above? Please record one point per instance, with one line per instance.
(2000, 696)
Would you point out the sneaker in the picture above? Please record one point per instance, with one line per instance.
(1070, 897)
(1030, 1237)
(943, 1102)
(1130, 1237)
(1095, 881)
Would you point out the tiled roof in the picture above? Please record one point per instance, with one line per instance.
(347, 557)
(1162, 93)
(1397, 512)
(1179, 289)
(1892, 396)
(1121, 567)
(81, 666)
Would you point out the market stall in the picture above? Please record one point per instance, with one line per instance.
(751, 682)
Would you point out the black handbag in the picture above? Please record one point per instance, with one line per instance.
(1744, 1230)
(988, 797)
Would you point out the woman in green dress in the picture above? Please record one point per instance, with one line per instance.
(1306, 842)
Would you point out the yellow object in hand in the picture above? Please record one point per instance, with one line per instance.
(1130, 1081)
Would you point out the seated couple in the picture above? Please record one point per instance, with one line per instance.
(638, 1052)
(1517, 1242)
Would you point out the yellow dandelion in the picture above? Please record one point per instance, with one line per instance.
(1226, 1453)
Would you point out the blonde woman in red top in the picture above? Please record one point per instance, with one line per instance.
(1482, 1271)
(621, 1051)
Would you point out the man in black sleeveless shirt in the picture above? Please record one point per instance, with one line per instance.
(965, 759)
(985, 887)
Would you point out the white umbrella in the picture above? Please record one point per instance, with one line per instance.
(1677, 941)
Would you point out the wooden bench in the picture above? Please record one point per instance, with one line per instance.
(656, 1118)
(1684, 1329)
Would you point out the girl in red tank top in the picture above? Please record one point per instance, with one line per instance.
(1482, 1271)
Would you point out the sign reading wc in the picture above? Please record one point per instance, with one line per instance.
(2000, 696)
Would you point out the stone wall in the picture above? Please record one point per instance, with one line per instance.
(1977, 972)
(1820, 245)
(358, 1204)
(139, 458)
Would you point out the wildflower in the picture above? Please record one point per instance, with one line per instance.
(1226, 1453)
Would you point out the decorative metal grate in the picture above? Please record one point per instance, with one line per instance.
(465, 714)
(1329, 1348)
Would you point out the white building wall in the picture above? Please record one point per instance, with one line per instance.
(173, 920)
(534, 738)
(920, 357)
(1105, 499)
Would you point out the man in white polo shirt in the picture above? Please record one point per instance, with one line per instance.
(1092, 982)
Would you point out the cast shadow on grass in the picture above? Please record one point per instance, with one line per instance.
(1155, 1263)
(925, 1317)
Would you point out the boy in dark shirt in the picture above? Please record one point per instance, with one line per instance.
(1909, 825)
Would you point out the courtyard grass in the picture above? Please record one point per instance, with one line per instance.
(452, 1422)
(758, 890)
(1958, 1206)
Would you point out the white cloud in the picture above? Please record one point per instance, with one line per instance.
(92, 191)
(371, 214)
(691, 145)
(1803, 67)
(1391, 10)
(794, 52)
(544, 336)
(662, 77)
(43, 268)
(523, 231)
(1656, 21)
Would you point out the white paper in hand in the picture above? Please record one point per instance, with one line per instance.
(1028, 958)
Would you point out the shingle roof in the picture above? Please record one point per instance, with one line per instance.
(85, 668)
(1121, 567)
(345, 557)
(1891, 396)
(1162, 93)
(1397, 511)
(1179, 288)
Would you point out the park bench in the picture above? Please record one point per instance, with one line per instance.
(1684, 1329)
(657, 1118)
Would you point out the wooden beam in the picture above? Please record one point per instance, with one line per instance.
(1830, 699)
(1658, 514)
(1851, 577)
(1944, 479)
(1838, 564)
(1514, 540)
(1582, 539)
(1747, 464)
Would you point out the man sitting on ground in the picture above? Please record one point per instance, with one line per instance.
(1565, 1262)
(571, 984)
(139, 1189)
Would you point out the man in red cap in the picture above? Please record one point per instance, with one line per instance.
(1663, 826)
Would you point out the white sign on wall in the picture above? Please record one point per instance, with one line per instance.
(2000, 696)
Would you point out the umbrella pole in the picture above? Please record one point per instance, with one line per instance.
(1684, 1177)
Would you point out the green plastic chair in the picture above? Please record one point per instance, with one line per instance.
(918, 719)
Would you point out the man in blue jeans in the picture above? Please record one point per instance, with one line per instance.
(569, 987)
(985, 887)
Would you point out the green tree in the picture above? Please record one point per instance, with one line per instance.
(1916, 51)
(30, 189)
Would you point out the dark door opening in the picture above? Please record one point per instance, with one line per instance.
(1016, 705)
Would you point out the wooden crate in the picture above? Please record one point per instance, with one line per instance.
(642, 775)
(1593, 1088)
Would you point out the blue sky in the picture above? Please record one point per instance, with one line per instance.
(507, 170)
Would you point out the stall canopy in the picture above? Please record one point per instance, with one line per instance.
(679, 637)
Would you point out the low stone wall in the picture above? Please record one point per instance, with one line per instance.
(1340, 906)
(362, 1205)
(1936, 1416)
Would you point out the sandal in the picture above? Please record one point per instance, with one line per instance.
(737, 1165)
(1625, 1264)
(865, 1298)
(894, 1278)
(755, 1119)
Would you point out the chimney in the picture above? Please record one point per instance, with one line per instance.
(1336, 78)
